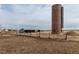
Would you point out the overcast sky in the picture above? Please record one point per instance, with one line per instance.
(71, 15)
(35, 16)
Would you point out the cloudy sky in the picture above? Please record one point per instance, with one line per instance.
(28, 16)
(71, 16)
(35, 16)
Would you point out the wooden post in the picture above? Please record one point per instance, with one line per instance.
(66, 37)
(30, 33)
(49, 35)
(39, 33)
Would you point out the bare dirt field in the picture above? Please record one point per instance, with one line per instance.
(16, 44)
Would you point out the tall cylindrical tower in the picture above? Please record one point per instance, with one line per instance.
(57, 18)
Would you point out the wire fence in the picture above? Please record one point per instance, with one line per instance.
(40, 34)
(43, 34)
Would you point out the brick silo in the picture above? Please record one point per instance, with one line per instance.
(57, 18)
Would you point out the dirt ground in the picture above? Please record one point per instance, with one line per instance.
(15, 44)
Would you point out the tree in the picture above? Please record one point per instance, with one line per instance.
(21, 30)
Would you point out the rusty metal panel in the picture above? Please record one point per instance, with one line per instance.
(62, 17)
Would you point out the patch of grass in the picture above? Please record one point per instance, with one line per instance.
(72, 33)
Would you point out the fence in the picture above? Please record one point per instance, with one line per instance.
(45, 35)
(39, 34)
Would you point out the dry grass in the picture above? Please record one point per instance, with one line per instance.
(72, 33)
(25, 44)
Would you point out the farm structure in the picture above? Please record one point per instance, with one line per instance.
(57, 18)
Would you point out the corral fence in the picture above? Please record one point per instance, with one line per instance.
(40, 34)
(44, 34)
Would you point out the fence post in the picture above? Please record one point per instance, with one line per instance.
(30, 33)
(49, 35)
(39, 33)
(66, 37)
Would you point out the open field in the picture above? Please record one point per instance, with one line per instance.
(12, 43)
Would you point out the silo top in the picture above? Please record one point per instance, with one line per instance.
(57, 5)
